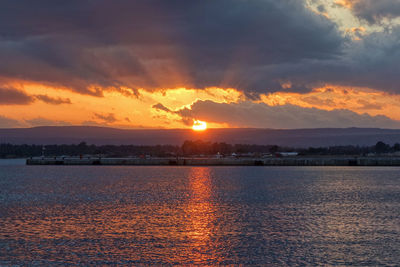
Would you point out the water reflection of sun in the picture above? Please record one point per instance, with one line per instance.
(201, 213)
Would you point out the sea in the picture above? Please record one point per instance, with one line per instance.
(170, 215)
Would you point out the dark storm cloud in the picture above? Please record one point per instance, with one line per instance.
(88, 45)
(372, 62)
(373, 11)
(10, 96)
(260, 115)
(256, 46)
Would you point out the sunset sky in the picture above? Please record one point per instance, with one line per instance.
(231, 63)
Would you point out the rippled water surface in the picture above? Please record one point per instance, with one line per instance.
(278, 216)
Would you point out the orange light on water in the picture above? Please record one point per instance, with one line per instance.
(199, 125)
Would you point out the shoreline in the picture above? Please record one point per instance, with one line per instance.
(283, 161)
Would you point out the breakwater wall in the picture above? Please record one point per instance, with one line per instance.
(289, 161)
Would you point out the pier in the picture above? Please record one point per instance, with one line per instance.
(285, 161)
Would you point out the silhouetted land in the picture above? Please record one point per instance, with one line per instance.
(188, 148)
(302, 138)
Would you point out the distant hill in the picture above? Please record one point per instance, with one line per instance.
(104, 135)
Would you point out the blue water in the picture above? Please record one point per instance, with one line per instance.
(277, 216)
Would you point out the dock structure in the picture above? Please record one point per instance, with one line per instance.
(288, 161)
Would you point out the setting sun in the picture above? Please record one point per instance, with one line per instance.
(199, 125)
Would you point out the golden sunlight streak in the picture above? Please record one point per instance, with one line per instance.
(199, 125)
(201, 214)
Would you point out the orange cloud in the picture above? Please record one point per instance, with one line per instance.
(159, 108)
(344, 3)
(331, 97)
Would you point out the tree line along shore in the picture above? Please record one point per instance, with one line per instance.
(190, 148)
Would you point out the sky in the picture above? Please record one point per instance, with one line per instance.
(232, 63)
